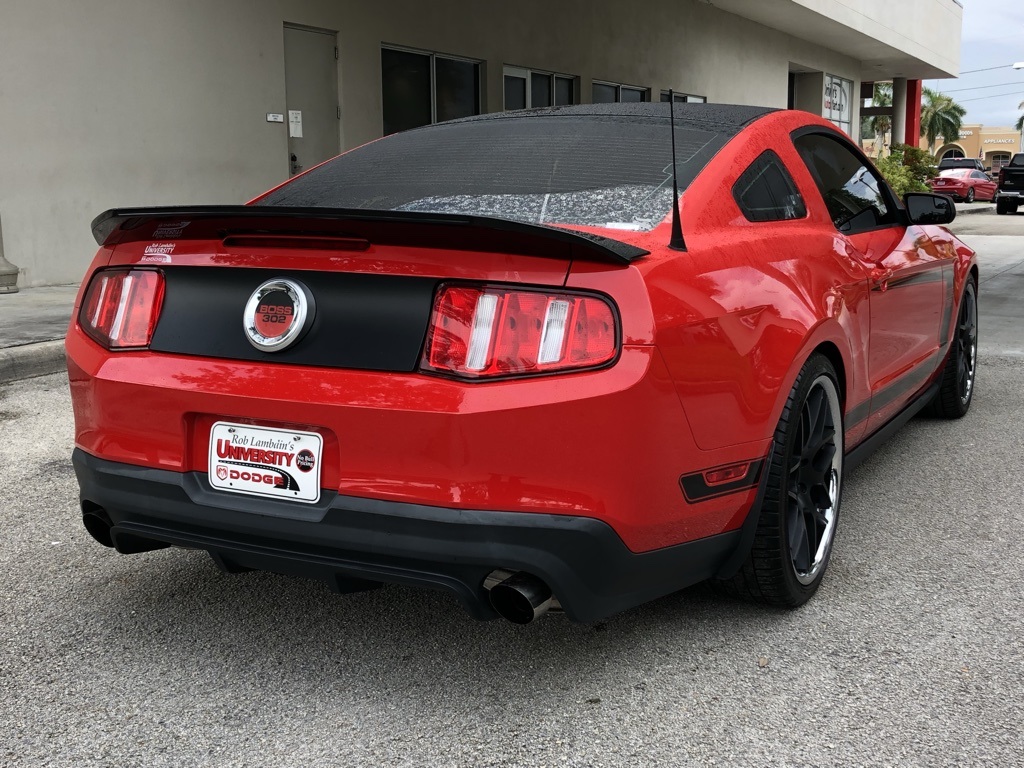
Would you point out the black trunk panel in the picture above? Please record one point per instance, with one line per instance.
(369, 322)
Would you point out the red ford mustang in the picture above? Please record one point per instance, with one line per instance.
(493, 356)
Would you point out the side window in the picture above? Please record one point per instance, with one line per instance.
(979, 175)
(854, 194)
(766, 192)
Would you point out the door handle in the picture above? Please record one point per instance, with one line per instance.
(880, 277)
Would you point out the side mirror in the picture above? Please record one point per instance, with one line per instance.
(989, 169)
(923, 208)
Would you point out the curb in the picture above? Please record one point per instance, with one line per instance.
(975, 209)
(30, 360)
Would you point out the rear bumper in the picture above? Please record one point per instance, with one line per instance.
(343, 538)
(1016, 196)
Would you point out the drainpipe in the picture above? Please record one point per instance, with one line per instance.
(8, 272)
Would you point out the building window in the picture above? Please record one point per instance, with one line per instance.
(531, 88)
(609, 93)
(420, 88)
(684, 98)
(838, 101)
(1000, 159)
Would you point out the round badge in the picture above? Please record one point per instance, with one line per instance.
(277, 314)
(305, 460)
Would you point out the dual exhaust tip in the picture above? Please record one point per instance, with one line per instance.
(519, 597)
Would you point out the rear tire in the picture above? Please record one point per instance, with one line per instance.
(970, 196)
(956, 385)
(798, 517)
(1001, 207)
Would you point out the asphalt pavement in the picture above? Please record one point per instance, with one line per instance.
(911, 654)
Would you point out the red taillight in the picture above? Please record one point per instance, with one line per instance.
(1002, 176)
(121, 307)
(489, 332)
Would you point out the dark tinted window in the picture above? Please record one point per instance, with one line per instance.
(458, 88)
(515, 92)
(406, 89)
(612, 168)
(605, 94)
(540, 90)
(1017, 160)
(563, 91)
(766, 192)
(855, 196)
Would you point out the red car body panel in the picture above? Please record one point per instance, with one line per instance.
(712, 342)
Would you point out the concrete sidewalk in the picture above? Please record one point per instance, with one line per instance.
(32, 327)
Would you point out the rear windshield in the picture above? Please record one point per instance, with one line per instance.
(602, 170)
(1017, 161)
(958, 163)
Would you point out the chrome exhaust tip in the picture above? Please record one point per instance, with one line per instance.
(522, 598)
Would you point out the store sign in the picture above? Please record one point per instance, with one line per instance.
(838, 104)
(965, 134)
(1001, 141)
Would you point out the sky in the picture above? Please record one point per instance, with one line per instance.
(993, 37)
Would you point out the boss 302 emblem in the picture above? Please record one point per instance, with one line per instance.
(277, 314)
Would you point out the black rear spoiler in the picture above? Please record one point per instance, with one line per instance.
(436, 230)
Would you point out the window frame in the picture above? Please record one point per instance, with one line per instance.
(767, 157)
(644, 91)
(687, 98)
(899, 211)
(433, 56)
(526, 73)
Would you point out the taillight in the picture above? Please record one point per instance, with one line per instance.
(1002, 176)
(121, 307)
(485, 332)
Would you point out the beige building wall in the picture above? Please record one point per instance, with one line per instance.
(992, 145)
(108, 103)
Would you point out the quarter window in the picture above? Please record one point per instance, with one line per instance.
(420, 88)
(531, 88)
(609, 93)
(856, 198)
(766, 192)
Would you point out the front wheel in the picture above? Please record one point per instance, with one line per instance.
(798, 517)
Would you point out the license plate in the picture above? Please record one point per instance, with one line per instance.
(262, 461)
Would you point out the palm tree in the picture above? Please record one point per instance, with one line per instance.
(940, 116)
(1019, 125)
(880, 125)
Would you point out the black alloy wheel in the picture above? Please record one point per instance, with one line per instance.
(956, 386)
(798, 517)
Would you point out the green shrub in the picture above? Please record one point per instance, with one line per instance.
(907, 168)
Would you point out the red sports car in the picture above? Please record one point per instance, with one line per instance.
(964, 184)
(571, 358)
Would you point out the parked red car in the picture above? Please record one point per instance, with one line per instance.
(964, 184)
(496, 357)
